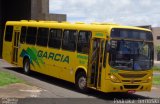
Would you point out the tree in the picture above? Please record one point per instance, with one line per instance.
(158, 49)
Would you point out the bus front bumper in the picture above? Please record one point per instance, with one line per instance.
(122, 87)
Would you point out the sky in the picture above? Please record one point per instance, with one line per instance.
(125, 12)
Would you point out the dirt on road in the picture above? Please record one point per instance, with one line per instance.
(20, 90)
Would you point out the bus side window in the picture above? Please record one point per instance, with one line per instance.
(42, 37)
(23, 34)
(31, 35)
(8, 33)
(55, 37)
(83, 42)
(69, 40)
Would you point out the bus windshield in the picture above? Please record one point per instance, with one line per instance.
(131, 54)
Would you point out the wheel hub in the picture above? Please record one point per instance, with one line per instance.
(26, 68)
(82, 82)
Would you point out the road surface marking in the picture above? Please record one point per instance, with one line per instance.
(154, 88)
(35, 91)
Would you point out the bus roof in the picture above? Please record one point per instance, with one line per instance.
(80, 25)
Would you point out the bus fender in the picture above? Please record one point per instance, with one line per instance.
(27, 56)
(82, 67)
(79, 68)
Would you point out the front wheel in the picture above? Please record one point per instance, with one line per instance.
(81, 82)
(26, 66)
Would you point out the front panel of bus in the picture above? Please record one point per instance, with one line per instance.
(130, 59)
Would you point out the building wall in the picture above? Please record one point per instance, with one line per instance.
(35, 9)
(156, 33)
(57, 17)
(16, 9)
(45, 6)
(0, 6)
(12, 10)
(40, 11)
(25, 10)
(0, 16)
(1, 34)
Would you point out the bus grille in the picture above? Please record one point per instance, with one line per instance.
(131, 86)
(136, 81)
(132, 75)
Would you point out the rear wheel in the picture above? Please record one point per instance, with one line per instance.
(26, 66)
(81, 81)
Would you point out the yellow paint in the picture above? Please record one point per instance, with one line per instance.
(67, 71)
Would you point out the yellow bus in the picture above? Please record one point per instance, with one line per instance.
(100, 56)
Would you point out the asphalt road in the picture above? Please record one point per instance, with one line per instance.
(56, 88)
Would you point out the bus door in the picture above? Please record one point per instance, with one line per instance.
(95, 63)
(16, 44)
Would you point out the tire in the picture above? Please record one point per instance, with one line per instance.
(26, 66)
(81, 82)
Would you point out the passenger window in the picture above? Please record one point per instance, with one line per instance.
(23, 34)
(8, 33)
(42, 37)
(69, 40)
(31, 35)
(83, 42)
(55, 38)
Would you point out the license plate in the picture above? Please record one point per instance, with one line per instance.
(131, 91)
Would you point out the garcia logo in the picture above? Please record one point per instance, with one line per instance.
(53, 56)
(32, 54)
(37, 57)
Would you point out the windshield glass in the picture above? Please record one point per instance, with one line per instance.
(131, 55)
(132, 34)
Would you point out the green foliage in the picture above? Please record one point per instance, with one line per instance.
(7, 78)
(156, 80)
(156, 68)
(158, 49)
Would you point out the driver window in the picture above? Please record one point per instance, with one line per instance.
(145, 50)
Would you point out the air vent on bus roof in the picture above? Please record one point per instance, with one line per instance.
(41, 21)
(51, 21)
(32, 21)
(24, 20)
(95, 23)
(108, 23)
(79, 23)
(65, 22)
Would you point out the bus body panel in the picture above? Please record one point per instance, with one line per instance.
(7, 51)
(63, 64)
(58, 63)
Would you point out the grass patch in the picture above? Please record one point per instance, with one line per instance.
(156, 80)
(156, 68)
(7, 78)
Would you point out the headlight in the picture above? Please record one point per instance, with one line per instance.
(114, 79)
(148, 79)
